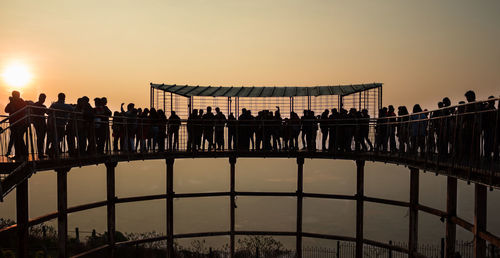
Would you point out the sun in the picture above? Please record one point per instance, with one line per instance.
(17, 75)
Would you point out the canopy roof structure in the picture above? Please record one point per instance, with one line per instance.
(281, 91)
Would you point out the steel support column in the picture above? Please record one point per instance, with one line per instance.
(360, 172)
(232, 162)
(479, 220)
(451, 210)
(170, 207)
(413, 230)
(62, 214)
(300, 191)
(22, 218)
(111, 198)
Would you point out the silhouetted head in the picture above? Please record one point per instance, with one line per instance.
(97, 102)
(116, 113)
(85, 99)
(446, 102)
(417, 108)
(470, 96)
(391, 108)
(217, 109)
(194, 112)
(42, 97)
(200, 112)
(172, 112)
(209, 109)
(130, 106)
(61, 97)
(440, 104)
(364, 111)
(16, 94)
(104, 101)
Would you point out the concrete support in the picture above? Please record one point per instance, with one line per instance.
(451, 210)
(22, 219)
(300, 191)
(170, 207)
(232, 163)
(413, 230)
(62, 214)
(360, 175)
(479, 220)
(111, 198)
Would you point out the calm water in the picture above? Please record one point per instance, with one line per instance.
(337, 217)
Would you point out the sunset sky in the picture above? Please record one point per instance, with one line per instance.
(421, 50)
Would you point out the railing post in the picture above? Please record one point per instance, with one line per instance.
(62, 214)
(451, 210)
(110, 186)
(22, 218)
(232, 162)
(413, 230)
(300, 189)
(479, 220)
(170, 207)
(360, 170)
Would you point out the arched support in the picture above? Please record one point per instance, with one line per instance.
(111, 201)
(413, 229)
(451, 210)
(360, 179)
(62, 213)
(300, 194)
(22, 218)
(479, 220)
(170, 207)
(232, 163)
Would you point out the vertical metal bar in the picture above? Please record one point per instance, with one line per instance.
(479, 220)
(62, 215)
(413, 230)
(22, 218)
(451, 210)
(170, 207)
(232, 162)
(164, 104)
(360, 171)
(150, 96)
(171, 102)
(300, 189)
(111, 213)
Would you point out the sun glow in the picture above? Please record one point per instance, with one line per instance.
(17, 75)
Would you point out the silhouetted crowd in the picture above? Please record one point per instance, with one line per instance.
(469, 130)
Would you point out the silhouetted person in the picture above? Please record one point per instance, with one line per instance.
(472, 134)
(391, 127)
(117, 131)
(17, 123)
(208, 129)
(417, 129)
(231, 131)
(100, 124)
(38, 120)
(58, 116)
(364, 123)
(130, 126)
(105, 121)
(324, 125)
(191, 130)
(174, 123)
(295, 131)
(154, 129)
(403, 129)
(199, 129)
(332, 130)
(220, 122)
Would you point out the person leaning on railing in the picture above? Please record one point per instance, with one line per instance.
(18, 124)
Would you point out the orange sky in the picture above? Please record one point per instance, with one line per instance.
(421, 50)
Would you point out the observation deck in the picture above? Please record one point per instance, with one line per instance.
(460, 142)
